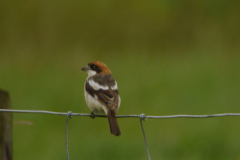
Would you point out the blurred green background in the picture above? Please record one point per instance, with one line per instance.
(168, 57)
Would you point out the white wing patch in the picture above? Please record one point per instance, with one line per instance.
(97, 86)
(115, 87)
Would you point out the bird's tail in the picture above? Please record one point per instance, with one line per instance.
(114, 128)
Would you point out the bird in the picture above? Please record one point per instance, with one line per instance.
(101, 93)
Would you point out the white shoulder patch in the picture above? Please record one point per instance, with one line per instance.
(97, 86)
(115, 87)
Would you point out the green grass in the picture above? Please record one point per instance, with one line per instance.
(168, 57)
(154, 84)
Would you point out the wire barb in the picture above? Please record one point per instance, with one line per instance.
(143, 117)
(69, 115)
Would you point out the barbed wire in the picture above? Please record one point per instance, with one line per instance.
(69, 114)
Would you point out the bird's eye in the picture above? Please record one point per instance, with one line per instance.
(93, 66)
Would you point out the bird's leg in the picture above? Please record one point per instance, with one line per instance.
(92, 115)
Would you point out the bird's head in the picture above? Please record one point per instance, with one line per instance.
(96, 67)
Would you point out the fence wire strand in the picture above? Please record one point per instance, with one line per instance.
(69, 114)
(122, 116)
(142, 117)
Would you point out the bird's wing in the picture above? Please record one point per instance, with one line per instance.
(104, 88)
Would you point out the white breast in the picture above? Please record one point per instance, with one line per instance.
(94, 104)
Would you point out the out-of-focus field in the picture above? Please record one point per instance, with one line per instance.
(168, 58)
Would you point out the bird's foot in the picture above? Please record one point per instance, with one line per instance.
(92, 115)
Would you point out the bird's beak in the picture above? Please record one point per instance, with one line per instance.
(86, 68)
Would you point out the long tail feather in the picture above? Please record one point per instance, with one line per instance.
(114, 128)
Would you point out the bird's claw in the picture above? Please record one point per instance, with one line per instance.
(92, 115)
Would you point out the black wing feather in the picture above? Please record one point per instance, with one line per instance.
(107, 97)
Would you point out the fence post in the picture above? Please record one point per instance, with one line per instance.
(5, 127)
